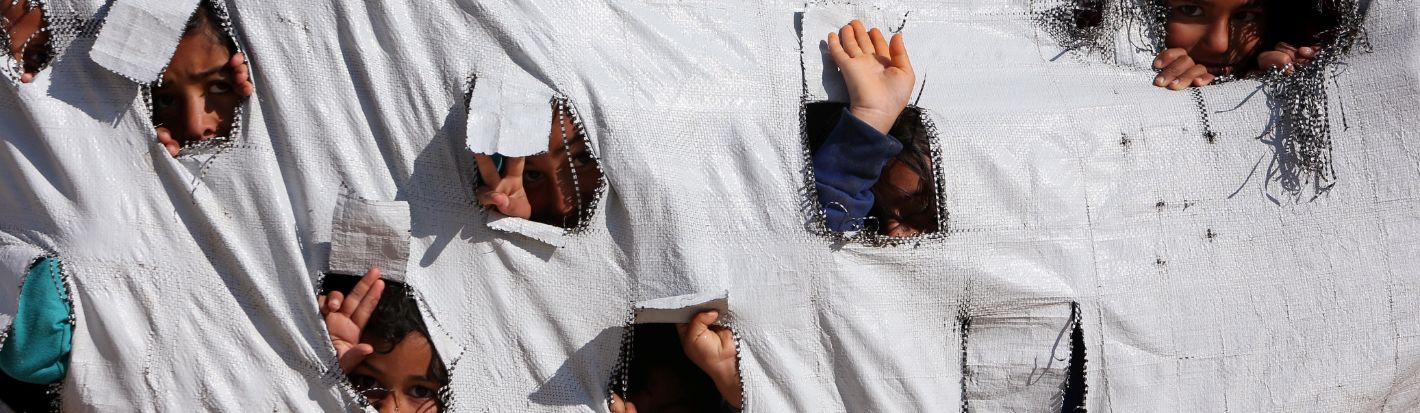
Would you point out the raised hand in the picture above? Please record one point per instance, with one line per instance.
(1178, 71)
(1287, 57)
(504, 192)
(345, 317)
(878, 74)
(712, 348)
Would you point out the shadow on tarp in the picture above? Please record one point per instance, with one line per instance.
(566, 388)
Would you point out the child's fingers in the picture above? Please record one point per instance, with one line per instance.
(487, 169)
(361, 315)
(352, 357)
(727, 341)
(698, 325)
(1274, 59)
(860, 34)
(850, 43)
(361, 289)
(165, 137)
(27, 77)
(1204, 80)
(1168, 56)
(513, 167)
(1308, 52)
(836, 50)
(333, 301)
(1187, 78)
(242, 74)
(1171, 73)
(880, 45)
(899, 53)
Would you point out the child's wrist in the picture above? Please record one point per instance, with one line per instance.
(880, 120)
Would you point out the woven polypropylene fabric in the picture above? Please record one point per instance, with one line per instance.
(1203, 282)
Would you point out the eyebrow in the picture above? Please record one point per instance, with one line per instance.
(209, 71)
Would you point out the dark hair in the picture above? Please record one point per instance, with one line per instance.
(206, 22)
(916, 155)
(394, 318)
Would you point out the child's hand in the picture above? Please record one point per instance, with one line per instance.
(345, 317)
(504, 192)
(1178, 71)
(27, 39)
(712, 348)
(165, 137)
(1286, 57)
(878, 75)
(619, 405)
(241, 74)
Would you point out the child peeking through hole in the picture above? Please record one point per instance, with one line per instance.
(554, 187)
(29, 40)
(1208, 39)
(688, 367)
(876, 159)
(382, 344)
(197, 98)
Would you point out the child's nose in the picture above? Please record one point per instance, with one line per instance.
(199, 123)
(1217, 39)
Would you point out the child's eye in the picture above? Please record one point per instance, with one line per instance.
(421, 392)
(532, 176)
(1188, 10)
(161, 102)
(219, 87)
(1247, 17)
(581, 160)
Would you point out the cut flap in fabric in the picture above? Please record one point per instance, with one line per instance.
(541, 232)
(139, 37)
(681, 308)
(370, 233)
(508, 117)
(821, 78)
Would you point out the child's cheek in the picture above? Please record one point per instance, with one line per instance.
(1182, 35)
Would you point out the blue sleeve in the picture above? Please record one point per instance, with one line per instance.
(37, 348)
(847, 166)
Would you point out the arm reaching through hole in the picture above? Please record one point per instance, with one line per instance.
(713, 349)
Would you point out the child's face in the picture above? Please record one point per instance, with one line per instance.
(399, 380)
(900, 201)
(197, 99)
(1219, 34)
(547, 178)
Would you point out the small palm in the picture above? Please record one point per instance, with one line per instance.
(878, 74)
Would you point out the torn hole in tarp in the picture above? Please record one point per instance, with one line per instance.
(902, 206)
(1043, 338)
(1075, 388)
(406, 367)
(25, 29)
(1300, 103)
(203, 81)
(1297, 92)
(28, 273)
(671, 361)
(530, 185)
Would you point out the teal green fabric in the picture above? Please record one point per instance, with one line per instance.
(37, 349)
